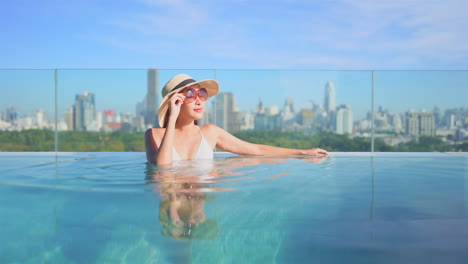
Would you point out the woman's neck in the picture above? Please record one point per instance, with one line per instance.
(185, 126)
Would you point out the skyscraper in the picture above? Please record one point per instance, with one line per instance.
(426, 124)
(288, 110)
(344, 120)
(412, 123)
(12, 114)
(152, 105)
(85, 111)
(420, 123)
(330, 97)
(40, 118)
(68, 117)
(224, 114)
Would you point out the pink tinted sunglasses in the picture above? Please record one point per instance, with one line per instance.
(191, 95)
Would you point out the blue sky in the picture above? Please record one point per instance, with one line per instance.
(242, 35)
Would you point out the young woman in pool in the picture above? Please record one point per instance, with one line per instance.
(179, 137)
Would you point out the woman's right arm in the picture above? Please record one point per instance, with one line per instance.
(162, 154)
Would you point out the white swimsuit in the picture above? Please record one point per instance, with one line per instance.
(204, 150)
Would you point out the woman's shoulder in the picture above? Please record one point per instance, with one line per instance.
(211, 132)
(154, 131)
(209, 128)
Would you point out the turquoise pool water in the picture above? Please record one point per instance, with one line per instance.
(348, 208)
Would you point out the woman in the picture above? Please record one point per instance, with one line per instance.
(179, 137)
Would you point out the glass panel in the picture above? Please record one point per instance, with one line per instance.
(297, 109)
(27, 114)
(421, 110)
(97, 110)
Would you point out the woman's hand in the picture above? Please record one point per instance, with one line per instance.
(316, 152)
(176, 102)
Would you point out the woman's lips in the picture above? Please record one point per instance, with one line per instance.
(198, 110)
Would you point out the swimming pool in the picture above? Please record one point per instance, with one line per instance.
(347, 208)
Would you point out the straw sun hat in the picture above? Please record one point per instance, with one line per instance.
(177, 84)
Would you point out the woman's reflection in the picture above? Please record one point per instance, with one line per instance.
(182, 212)
(186, 186)
(184, 190)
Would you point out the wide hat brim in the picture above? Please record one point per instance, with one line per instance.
(211, 86)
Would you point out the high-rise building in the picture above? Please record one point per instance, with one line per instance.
(12, 114)
(109, 116)
(85, 111)
(264, 121)
(397, 123)
(288, 110)
(96, 124)
(426, 124)
(68, 117)
(420, 123)
(330, 97)
(224, 114)
(260, 108)
(344, 120)
(151, 111)
(307, 118)
(248, 120)
(412, 123)
(40, 118)
(437, 116)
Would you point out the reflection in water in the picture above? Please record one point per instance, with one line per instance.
(185, 186)
(182, 213)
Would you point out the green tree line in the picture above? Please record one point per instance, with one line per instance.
(76, 141)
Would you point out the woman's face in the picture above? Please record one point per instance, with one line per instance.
(195, 108)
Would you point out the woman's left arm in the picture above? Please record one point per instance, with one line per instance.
(230, 143)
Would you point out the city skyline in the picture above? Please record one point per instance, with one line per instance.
(330, 115)
(120, 90)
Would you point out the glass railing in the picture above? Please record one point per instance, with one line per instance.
(109, 110)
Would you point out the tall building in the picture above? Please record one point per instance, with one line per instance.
(412, 123)
(307, 118)
(260, 108)
(344, 120)
(330, 107)
(330, 97)
(248, 120)
(12, 114)
(397, 123)
(224, 114)
(40, 118)
(85, 111)
(265, 121)
(288, 110)
(437, 116)
(420, 123)
(152, 105)
(426, 124)
(68, 117)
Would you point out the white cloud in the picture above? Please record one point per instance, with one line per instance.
(431, 29)
(346, 34)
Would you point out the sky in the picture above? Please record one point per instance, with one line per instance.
(260, 49)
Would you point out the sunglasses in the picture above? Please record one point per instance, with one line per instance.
(191, 95)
